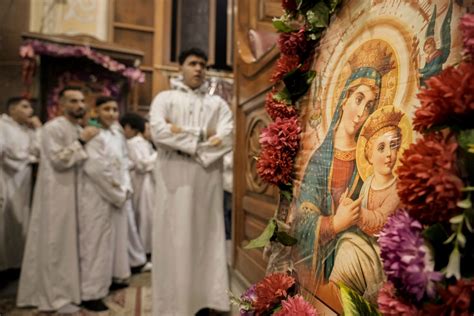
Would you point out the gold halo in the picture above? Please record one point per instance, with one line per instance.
(364, 168)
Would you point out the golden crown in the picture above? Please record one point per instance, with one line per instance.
(373, 55)
(381, 119)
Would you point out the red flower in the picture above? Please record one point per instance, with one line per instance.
(282, 135)
(467, 28)
(271, 290)
(289, 5)
(455, 300)
(294, 43)
(296, 306)
(428, 185)
(390, 304)
(448, 99)
(284, 65)
(277, 109)
(275, 167)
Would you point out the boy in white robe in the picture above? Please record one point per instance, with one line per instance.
(18, 131)
(192, 131)
(142, 157)
(104, 192)
(49, 277)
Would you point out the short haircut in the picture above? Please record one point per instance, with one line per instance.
(134, 120)
(191, 52)
(14, 101)
(69, 88)
(103, 99)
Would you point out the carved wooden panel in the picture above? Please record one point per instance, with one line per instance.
(140, 12)
(255, 201)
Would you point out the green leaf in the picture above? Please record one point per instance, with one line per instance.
(318, 16)
(468, 225)
(466, 203)
(356, 305)
(285, 239)
(467, 189)
(332, 5)
(296, 82)
(466, 139)
(461, 240)
(280, 25)
(287, 195)
(264, 238)
(450, 239)
(310, 75)
(315, 35)
(283, 96)
(457, 219)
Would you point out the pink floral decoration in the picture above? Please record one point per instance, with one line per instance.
(35, 47)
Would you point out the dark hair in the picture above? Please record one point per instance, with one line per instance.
(191, 52)
(69, 88)
(103, 99)
(14, 101)
(134, 120)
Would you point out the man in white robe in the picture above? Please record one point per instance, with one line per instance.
(142, 161)
(49, 278)
(18, 131)
(192, 131)
(105, 186)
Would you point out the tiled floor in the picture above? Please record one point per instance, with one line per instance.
(132, 301)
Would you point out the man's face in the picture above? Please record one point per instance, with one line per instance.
(193, 70)
(73, 104)
(21, 112)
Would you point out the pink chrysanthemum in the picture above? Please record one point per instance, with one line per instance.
(294, 43)
(278, 109)
(429, 187)
(283, 135)
(390, 305)
(296, 306)
(448, 99)
(271, 290)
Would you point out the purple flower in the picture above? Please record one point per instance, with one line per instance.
(405, 257)
(249, 296)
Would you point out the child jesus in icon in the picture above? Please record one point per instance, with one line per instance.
(379, 193)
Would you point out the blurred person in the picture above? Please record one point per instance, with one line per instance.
(142, 157)
(19, 132)
(49, 278)
(192, 131)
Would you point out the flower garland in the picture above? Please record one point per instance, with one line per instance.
(427, 248)
(31, 48)
(300, 28)
(274, 295)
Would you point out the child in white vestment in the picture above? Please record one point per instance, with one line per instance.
(142, 159)
(102, 218)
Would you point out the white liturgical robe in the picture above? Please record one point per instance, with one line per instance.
(104, 190)
(20, 150)
(189, 261)
(50, 272)
(143, 158)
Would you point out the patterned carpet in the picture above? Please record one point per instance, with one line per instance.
(132, 301)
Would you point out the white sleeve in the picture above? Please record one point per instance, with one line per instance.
(186, 141)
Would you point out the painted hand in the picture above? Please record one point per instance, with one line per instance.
(347, 213)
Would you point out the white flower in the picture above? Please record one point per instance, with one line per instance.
(454, 264)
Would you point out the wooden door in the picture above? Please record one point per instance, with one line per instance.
(254, 201)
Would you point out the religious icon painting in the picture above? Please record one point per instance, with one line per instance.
(356, 119)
